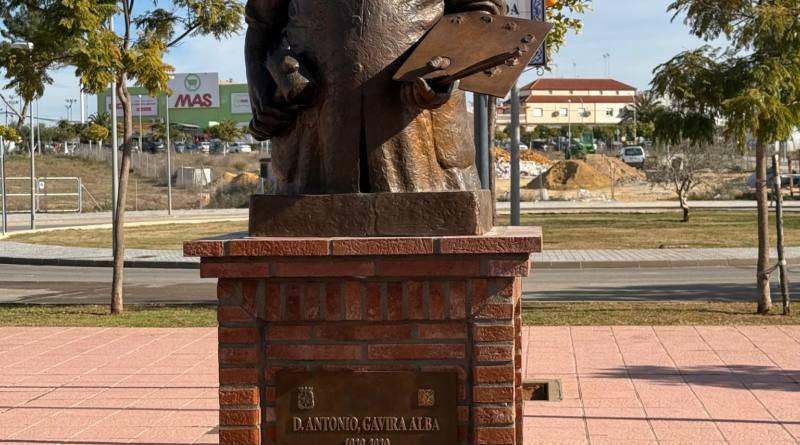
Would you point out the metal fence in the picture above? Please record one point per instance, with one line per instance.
(53, 194)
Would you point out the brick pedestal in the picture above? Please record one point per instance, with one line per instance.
(447, 304)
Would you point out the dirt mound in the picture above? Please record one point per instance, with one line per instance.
(501, 154)
(250, 179)
(622, 172)
(572, 175)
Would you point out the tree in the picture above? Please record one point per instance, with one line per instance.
(64, 131)
(94, 132)
(640, 117)
(27, 71)
(561, 14)
(226, 131)
(689, 139)
(135, 54)
(102, 119)
(754, 85)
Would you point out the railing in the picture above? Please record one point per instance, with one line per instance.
(52, 195)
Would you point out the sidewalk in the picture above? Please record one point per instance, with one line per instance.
(21, 253)
(621, 385)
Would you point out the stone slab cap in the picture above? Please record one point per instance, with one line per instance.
(500, 240)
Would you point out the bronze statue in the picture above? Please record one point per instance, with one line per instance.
(320, 75)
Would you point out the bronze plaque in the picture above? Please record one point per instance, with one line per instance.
(366, 408)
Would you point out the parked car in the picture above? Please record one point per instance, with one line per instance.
(204, 147)
(633, 155)
(240, 147)
(153, 146)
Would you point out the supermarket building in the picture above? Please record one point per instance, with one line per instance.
(198, 101)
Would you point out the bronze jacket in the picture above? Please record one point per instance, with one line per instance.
(358, 135)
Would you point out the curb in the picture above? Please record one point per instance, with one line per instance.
(659, 264)
(545, 265)
(77, 262)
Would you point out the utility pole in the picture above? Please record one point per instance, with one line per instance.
(141, 147)
(33, 172)
(114, 153)
(784, 273)
(569, 129)
(69, 103)
(481, 115)
(83, 107)
(515, 170)
(3, 173)
(169, 159)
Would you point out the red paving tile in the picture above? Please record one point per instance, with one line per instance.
(622, 385)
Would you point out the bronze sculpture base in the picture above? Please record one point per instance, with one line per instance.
(372, 214)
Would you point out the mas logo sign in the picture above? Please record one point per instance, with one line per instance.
(195, 90)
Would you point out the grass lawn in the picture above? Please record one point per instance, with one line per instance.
(561, 231)
(656, 314)
(537, 314)
(98, 316)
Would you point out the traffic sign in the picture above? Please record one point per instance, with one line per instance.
(531, 10)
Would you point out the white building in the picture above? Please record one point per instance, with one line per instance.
(557, 102)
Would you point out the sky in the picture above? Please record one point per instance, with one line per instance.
(638, 35)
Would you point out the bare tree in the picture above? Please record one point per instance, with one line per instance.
(683, 166)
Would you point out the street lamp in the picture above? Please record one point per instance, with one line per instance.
(139, 98)
(28, 46)
(68, 104)
(569, 128)
(169, 155)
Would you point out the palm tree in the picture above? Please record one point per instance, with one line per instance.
(102, 119)
(646, 106)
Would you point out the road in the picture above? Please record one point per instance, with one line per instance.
(52, 284)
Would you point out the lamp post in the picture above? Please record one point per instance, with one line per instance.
(569, 128)
(28, 46)
(169, 156)
(68, 104)
(141, 147)
(3, 173)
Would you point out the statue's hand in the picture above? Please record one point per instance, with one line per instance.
(269, 121)
(427, 95)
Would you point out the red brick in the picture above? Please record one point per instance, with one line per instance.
(496, 311)
(493, 244)
(442, 330)
(292, 294)
(272, 304)
(463, 434)
(493, 416)
(269, 394)
(202, 248)
(352, 302)
(494, 374)
(415, 352)
(288, 332)
(239, 417)
(270, 415)
(416, 304)
(314, 352)
(238, 356)
(493, 394)
(382, 246)
(480, 294)
(255, 269)
(238, 335)
(395, 301)
(239, 436)
(490, 333)
(250, 296)
(495, 436)
(333, 302)
(364, 332)
(508, 268)
(232, 314)
(373, 302)
(463, 414)
(271, 371)
(492, 353)
(439, 267)
(311, 300)
(238, 396)
(329, 267)
(436, 305)
(278, 247)
(228, 291)
(505, 286)
(458, 300)
(238, 376)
